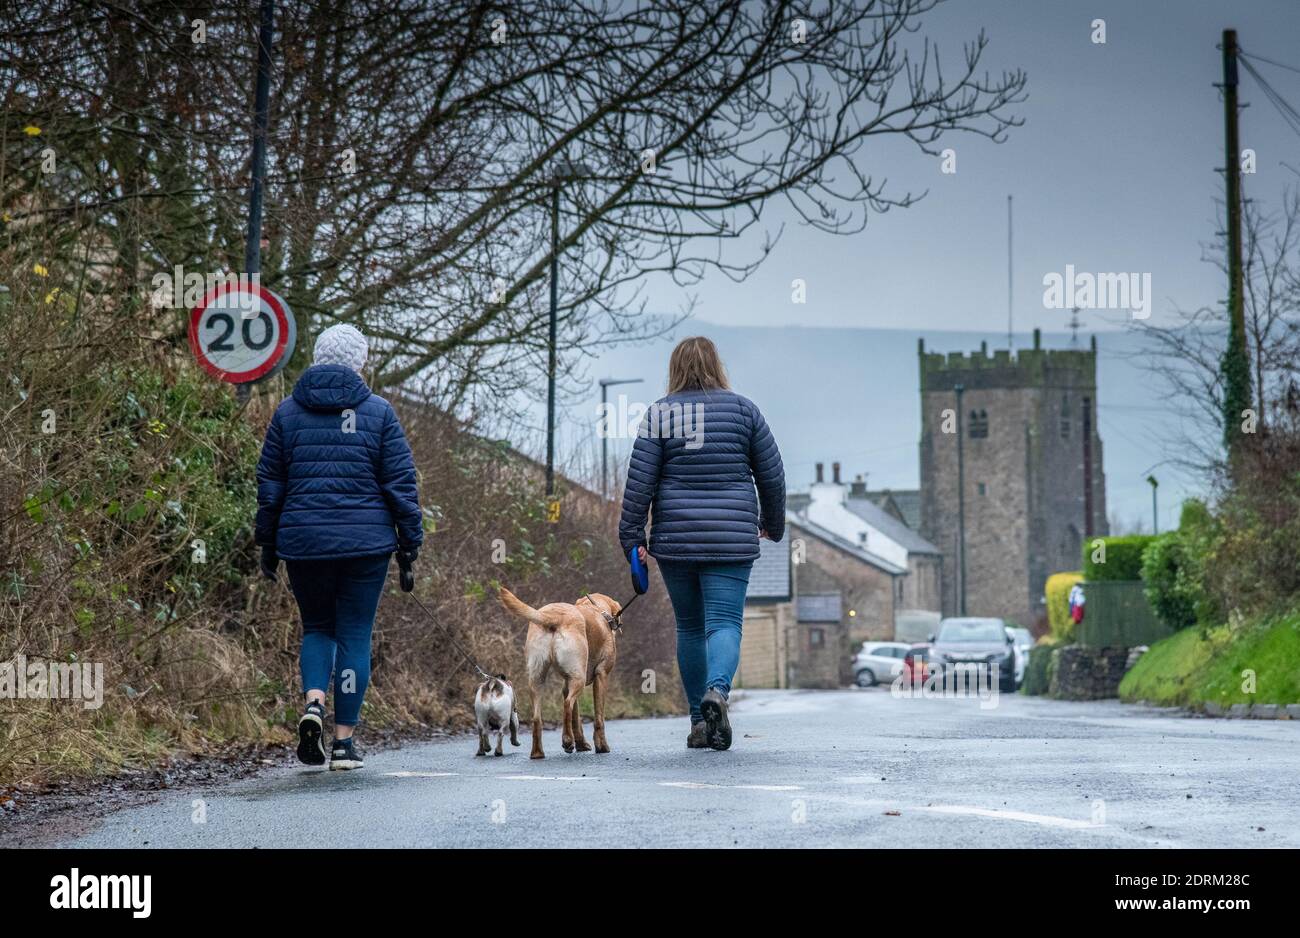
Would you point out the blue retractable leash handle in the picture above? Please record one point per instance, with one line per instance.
(640, 575)
(640, 581)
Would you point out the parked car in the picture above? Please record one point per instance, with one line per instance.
(1023, 641)
(878, 662)
(916, 664)
(969, 641)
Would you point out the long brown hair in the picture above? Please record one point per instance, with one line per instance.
(696, 366)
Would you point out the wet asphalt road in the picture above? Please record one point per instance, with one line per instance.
(809, 769)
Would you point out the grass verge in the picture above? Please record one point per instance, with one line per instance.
(1253, 661)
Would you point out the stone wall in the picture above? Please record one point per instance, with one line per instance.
(922, 587)
(868, 591)
(1080, 673)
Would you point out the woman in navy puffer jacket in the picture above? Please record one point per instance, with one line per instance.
(336, 496)
(698, 456)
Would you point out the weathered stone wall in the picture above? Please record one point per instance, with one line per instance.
(1081, 673)
(868, 591)
(1024, 483)
(922, 588)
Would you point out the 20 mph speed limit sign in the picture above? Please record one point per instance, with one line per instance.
(242, 333)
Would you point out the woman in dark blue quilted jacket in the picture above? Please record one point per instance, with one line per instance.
(700, 454)
(336, 496)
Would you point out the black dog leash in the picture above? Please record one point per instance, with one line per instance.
(615, 623)
(454, 644)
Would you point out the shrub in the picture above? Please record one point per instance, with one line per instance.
(1173, 569)
(1057, 591)
(1118, 558)
(1036, 669)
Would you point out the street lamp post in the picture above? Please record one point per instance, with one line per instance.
(566, 171)
(606, 383)
(1155, 516)
(961, 507)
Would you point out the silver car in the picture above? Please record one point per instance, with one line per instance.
(878, 662)
(1023, 641)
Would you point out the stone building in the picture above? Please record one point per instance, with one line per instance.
(847, 511)
(812, 599)
(1021, 431)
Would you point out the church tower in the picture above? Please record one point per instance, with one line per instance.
(1020, 433)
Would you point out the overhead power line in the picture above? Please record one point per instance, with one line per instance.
(1290, 115)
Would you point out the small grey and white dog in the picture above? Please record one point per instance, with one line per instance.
(494, 709)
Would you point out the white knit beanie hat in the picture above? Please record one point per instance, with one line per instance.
(342, 345)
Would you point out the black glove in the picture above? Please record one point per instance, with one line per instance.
(405, 559)
(269, 562)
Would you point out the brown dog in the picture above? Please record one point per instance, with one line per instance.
(578, 640)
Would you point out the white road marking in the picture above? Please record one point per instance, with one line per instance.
(750, 787)
(421, 774)
(1046, 820)
(549, 778)
(771, 787)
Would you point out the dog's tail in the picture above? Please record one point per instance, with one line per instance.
(549, 620)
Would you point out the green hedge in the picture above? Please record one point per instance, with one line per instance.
(1165, 575)
(1114, 558)
(1037, 676)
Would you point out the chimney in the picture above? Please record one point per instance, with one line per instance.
(859, 487)
(819, 472)
(835, 473)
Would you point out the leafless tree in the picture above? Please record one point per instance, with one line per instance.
(415, 149)
(1188, 355)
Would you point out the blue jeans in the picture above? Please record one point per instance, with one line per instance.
(709, 604)
(338, 599)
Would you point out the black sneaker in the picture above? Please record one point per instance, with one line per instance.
(345, 756)
(311, 728)
(699, 736)
(718, 727)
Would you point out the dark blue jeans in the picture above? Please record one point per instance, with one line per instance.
(338, 599)
(709, 605)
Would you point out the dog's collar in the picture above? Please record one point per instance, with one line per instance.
(614, 622)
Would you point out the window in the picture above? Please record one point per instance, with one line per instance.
(816, 638)
(981, 488)
(1065, 417)
(979, 424)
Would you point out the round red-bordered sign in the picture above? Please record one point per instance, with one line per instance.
(242, 333)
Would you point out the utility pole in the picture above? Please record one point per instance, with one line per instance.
(606, 383)
(1236, 361)
(550, 343)
(1155, 516)
(261, 111)
(565, 172)
(1010, 341)
(961, 508)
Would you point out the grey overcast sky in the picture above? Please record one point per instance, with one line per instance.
(1113, 171)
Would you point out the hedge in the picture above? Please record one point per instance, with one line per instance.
(1169, 588)
(1037, 678)
(1057, 591)
(1118, 558)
